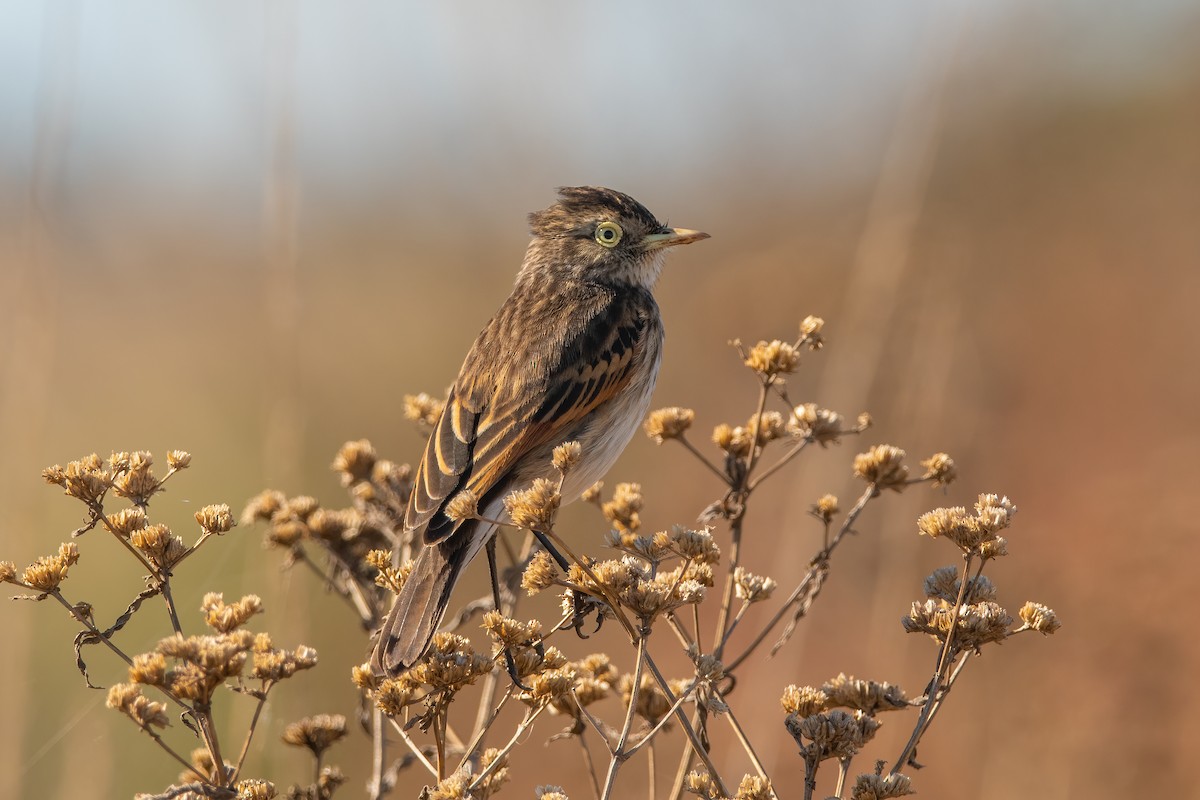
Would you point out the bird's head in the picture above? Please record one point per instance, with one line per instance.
(601, 235)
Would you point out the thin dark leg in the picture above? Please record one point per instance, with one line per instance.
(509, 662)
(578, 600)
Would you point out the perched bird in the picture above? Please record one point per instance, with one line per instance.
(572, 355)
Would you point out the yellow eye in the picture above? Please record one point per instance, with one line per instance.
(608, 234)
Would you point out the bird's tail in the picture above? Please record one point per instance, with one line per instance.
(418, 609)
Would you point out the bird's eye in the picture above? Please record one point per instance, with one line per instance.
(608, 234)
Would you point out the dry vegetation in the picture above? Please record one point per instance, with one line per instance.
(498, 678)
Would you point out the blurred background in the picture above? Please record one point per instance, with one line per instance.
(247, 229)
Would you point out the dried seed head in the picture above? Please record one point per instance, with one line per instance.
(8, 571)
(263, 506)
(668, 423)
(48, 572)
(978, 623)
(540, 574)
(825, 508)
(225, 618)
(215, 518)
(943, 584)
(881, 787)
(534, 508)
(451, 663)
(127, 698)
(508, 632)
(1039, 618)
(810, 332)
(767, 427)
(133, 479)
(316, 733)
(622, 510)
(127, 520)
(178, 459)
(550, 793)
(709, 668)
(994, 512)
(551, 686)
(85, 479)
(868, 697)
(453, 787)
(592, 493)
(773, 358)
(754, 787)
(804, 701)
(994, 548)
(255, 789)
(159, 545)
(831, 734)
(423, 409)
(702, 785)
(940, 469)
(393, 695)
(820, 424)
(883, 466)
(464, 505)
(498, 776)
(652, 704)
(566, 456)
(694, 545)
(355, 461)
(752, 588)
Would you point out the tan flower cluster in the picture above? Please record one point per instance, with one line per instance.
(940, 469)
(47, 572)
(819, 424)
(869, 697)
(652, 703)
(542, 573)
(594, 679)
(224, 618)
(804, 701)
(86, 479)
(215, 518)
(883, 466)
(178, 459)
(355, 462)
(127, 520)
(163, 548)
(391, 695)
(810, 332)
(831, 734)
(255, 789)
(752, 588)
(1039, 618)
(758, 430)
(943, 584)
(702, 784)
(453, 787)
(825, 508)
(754, 787)
(389, 577)
(317, 733)
(640, 588)
(451, 664)
(133, 477)
(622, 511)
(972, 532)
(566, 456)
(668, 423)
(978, 623)
(550, 793)
(464, 505)
(423, 409)
(202, 663)
(773, 358)
(274, 664)
(881, 787)
(129, 700)
(534, 508)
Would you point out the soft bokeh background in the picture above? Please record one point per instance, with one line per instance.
(246, 229)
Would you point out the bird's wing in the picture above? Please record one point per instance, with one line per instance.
(492, 419)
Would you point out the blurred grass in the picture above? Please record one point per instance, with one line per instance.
(1043, 333)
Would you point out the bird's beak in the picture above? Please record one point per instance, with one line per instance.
(669, 237)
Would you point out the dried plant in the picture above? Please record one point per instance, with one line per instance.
(686, 588)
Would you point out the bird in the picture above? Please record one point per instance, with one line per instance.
(571, 356)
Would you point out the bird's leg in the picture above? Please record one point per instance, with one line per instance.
(510, 663)
(579, 601)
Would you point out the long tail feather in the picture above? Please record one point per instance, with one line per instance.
(418, 609)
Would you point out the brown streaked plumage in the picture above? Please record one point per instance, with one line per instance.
(572, 355)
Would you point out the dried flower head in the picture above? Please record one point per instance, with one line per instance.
(940, 469)
(622, 510)
(702, 785)
(566, 456)
(752, 588)
(263, 506)
(355, 461)
(215, 518)
(451, 663)
(881, 787)
(163, 548)
(1039, 618)
(85, 479)
(132, 476)
(804, 701)
(978, 623)
(943, 584)
(453, 787)
(820, 424)
(255, 789)
(178, 459)
(225, 618)
(550, 793)
(8, 571)
(810, 332)
(317, 733)
(773, 358)
(883, 466)
(699, 546)
(48, 572)
(592, 493)
(423, 409)
(540, 574)
(869, 697)
(393, 695)
(464, 505)
(994, 512)
(825, 508)
(510, 633)
(149, 669)
(534, 508)
(668, 423)
(754, 787)
(497, 776)
(128, 699)
(652, 704)
(831, 734)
